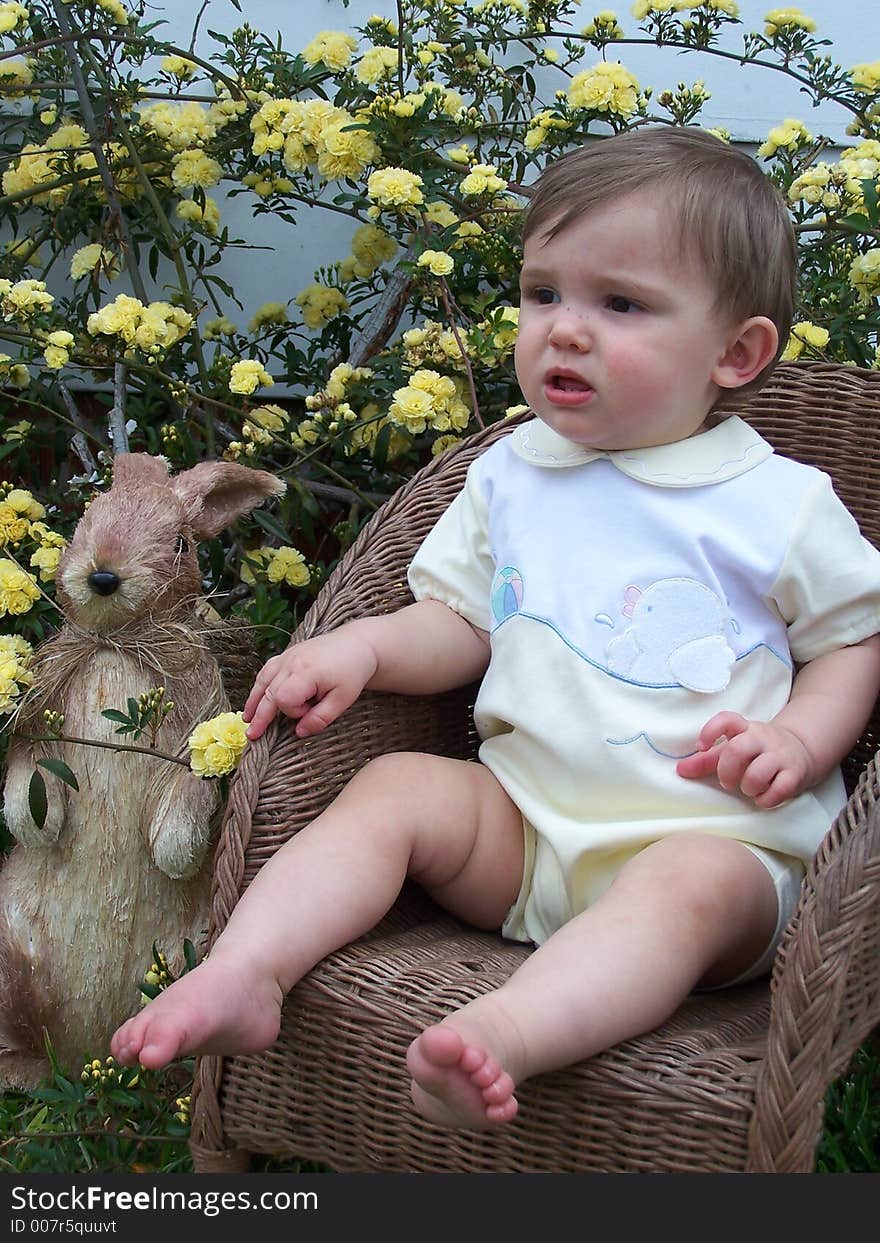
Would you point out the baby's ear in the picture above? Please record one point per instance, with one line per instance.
(214, 494)
(748, 353)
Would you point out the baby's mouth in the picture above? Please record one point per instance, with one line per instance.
(566, 388)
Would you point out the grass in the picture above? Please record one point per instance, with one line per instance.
(111, 1120)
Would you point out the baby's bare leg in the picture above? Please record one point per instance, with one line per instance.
(446, 823)
(687, 910)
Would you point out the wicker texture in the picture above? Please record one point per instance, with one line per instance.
(733, 1081)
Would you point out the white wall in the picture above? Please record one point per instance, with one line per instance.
(746, 101)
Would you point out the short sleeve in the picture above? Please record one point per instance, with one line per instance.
(454, 564)
(828, 589)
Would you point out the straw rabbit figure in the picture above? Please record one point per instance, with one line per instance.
(123, 861)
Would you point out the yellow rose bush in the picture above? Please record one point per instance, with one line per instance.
(120, 322)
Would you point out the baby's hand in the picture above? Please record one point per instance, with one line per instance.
(313, 682)
(767, 762)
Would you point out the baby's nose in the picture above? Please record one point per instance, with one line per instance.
(105, 582)
(570, 329)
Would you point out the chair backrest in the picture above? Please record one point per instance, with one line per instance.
(825, 415)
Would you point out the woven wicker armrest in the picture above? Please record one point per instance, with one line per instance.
(825, 990)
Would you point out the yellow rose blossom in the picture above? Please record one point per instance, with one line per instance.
(12, 17)
(208, 216)
(607, 87)
(179, 67)
(13, 526)
(116, 10)
(320, 304)
(805, 334)
(866, 77)
(412, 408)
(437, 262)
(45, 560)
(193, 168)
(22, 299)
(344, 152)
(216, 746)
(268, 313)
(156, 327)
(642, 8)
(371, 247)
(88, 259)
(57, 352)
(15, 677)
(288, 565)
(779, 19)
(273, 418)
(247, 375)
(24, 503)
(222, 327)
(377, 63)
(333, 48)
(864, 274)
(483, 179)
(185, 125)
(395, 187)
(15, 76)
(788, 136)
(16, 375)
(442, 443)
(18, 589)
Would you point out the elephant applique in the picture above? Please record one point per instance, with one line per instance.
(677, 637)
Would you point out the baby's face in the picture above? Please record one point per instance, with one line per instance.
(618, 338)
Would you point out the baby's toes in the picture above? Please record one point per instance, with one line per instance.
(502, 1113)
(499, 1090)
(487, 1073)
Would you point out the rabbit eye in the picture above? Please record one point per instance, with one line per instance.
(182, 545)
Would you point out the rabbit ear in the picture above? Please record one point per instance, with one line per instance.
(129, 468)
(214, 494)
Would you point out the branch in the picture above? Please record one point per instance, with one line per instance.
(447, 305)
(116, 417)
(91, 125)
(79, 442)
(106, 746)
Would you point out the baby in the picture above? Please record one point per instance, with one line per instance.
(676, 632)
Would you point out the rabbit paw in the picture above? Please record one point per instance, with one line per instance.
(16, 803)
(181, 825)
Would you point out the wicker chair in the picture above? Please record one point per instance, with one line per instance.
(734, 1081)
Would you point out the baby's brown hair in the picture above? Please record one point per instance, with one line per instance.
(725, 213)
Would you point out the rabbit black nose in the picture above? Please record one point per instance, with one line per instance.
(104, 582)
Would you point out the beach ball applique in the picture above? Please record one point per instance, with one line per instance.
(507, 593)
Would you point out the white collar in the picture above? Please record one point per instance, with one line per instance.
(729, 449)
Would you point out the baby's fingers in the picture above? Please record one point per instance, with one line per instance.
(700, 764)
(721, 725)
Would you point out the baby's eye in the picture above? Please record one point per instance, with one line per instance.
(621, 305)
(544, 296)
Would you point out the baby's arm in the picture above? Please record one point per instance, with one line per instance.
(420, 650)
(770, 762)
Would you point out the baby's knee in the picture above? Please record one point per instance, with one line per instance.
(402, 778)
(699, 874)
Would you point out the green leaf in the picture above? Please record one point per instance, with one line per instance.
(268, 523)
(60, 769)
(189, 954)
(112, 715)
(37, 802)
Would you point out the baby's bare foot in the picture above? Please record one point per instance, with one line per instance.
(459, 1083)
(209, 1010)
